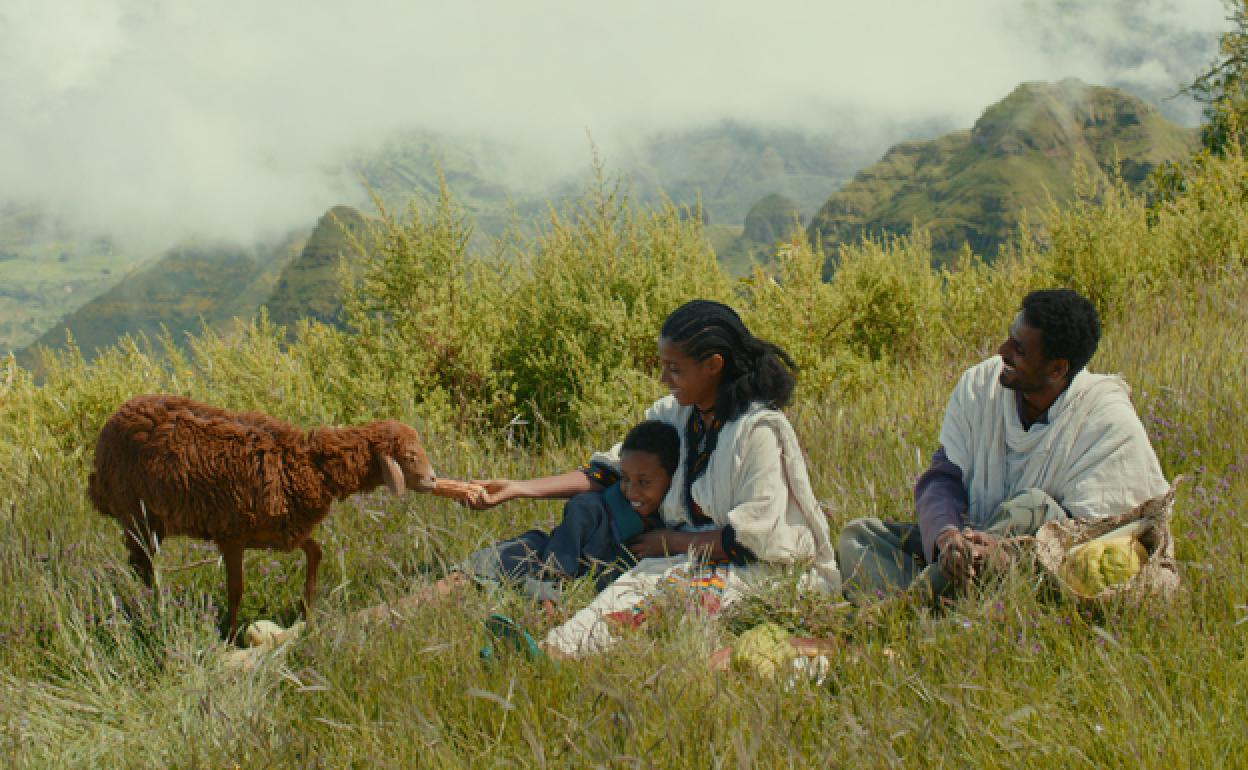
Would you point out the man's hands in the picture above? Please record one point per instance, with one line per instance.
(964, 553)
(956, 555)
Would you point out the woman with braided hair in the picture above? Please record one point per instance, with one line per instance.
(740, 506)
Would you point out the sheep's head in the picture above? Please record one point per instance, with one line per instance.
(403, 460)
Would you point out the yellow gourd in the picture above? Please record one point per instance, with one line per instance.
(764, 650)
(1099, 564)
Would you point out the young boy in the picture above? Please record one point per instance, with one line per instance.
(596, 525)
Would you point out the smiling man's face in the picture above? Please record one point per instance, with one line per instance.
(1026, 369)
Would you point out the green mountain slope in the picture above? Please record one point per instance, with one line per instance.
(185, 288)
(734, 165)
(773, 219)
(308, 285)
(972, 187)
(967, 187)
(478, 173)
(730, 166)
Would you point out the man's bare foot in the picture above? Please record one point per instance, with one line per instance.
(813, 647)
(406, 605)
(720, 660)
(550, 610)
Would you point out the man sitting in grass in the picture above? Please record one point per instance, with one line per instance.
(1028, 436)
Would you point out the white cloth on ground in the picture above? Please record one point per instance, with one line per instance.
(1093, 456)
(589, 631)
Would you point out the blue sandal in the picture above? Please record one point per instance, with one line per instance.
(504, 629)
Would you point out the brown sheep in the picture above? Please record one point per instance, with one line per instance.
(167, 465)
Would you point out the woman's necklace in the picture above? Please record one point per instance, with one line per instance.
(707, 417)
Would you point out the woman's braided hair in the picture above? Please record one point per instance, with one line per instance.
(754, 370)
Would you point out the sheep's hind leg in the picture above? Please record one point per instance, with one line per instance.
(232, 555)
(312, 550)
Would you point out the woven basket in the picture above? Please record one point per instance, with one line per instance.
(1158, 579)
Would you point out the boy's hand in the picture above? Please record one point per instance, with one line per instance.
(496, 491)
(671, 542)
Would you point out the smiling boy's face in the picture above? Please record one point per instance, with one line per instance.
(643, 481)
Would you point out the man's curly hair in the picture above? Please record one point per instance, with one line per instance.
(1068, 324)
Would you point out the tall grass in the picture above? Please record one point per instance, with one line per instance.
(96, 671)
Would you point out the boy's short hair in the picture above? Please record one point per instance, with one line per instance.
(659, 439)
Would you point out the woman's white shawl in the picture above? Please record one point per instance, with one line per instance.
(756, 481)
(1093, 457)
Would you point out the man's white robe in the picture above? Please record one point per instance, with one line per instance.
(1093, 456)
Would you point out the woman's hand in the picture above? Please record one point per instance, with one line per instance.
(671, 542)
(657, 542)
(496, 491)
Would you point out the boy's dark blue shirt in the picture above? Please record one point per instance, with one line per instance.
(626, 523)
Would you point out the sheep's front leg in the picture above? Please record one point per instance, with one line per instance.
(143, 537)
(312, 550)
(232, 555)
(140, 558)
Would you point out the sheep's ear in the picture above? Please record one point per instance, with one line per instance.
(393, 475)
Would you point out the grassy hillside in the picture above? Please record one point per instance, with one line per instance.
(973, 187)
(97, 672)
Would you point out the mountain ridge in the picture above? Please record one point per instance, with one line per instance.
(972, 186)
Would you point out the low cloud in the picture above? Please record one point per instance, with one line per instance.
(156, 121)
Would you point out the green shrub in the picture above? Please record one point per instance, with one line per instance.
(888, 295)
(424, 321)
(792, 306)
(587, 304)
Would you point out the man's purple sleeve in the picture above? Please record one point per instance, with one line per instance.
(940, 501)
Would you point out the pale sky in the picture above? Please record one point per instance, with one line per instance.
(170, 119)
